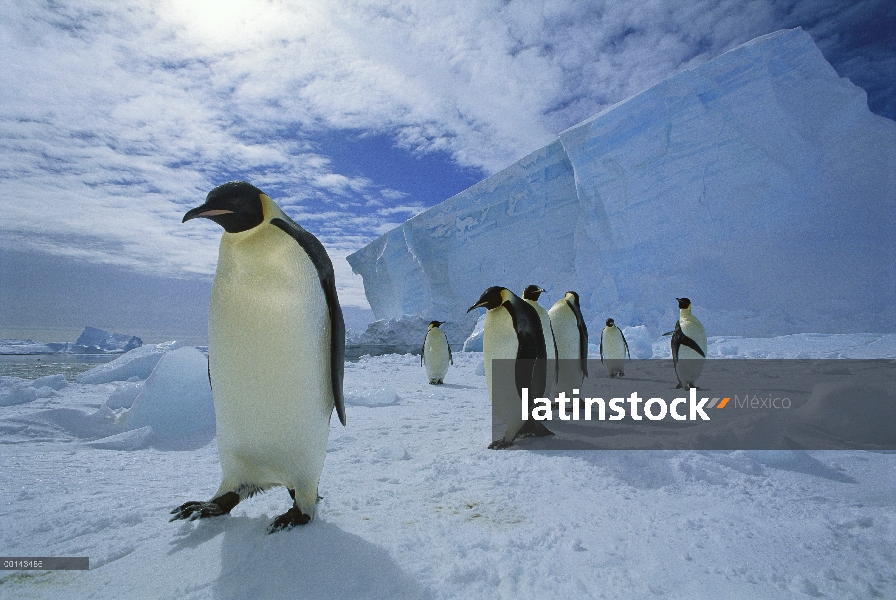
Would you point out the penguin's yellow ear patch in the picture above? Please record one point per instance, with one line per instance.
(265, 202)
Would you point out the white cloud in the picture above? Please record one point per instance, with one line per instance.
(117, 116)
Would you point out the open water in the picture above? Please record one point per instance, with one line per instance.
(32, 366)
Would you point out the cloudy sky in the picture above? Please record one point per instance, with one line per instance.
(117, 116)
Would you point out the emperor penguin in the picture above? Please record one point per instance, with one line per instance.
(436, 353)
(613, 349)
(531, 295)
(571, 336)
(688, 346)
(513, 331)
(276, 348)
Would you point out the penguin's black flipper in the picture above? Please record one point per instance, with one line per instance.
(318, 255)
(450, 358)
(583, 336)
(556, 354)
(423, 349)
(676, 343)
(686, 341)
(601, 347)
(680, 339)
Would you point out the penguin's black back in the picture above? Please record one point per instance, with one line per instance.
(531, 353)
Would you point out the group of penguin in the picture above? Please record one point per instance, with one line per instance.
(521, 329)
(276, 350)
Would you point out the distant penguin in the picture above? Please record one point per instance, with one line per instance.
(688, 346)
(531, 295)
(436, 353)
(613, 349)
(571, 336)
(276, 347)
(513, 331)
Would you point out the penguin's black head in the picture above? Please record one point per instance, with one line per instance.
(490, 298)
(532, 292)
(575, 296)
(610, 322)
(436, 323)
(683, 303)
(235, 206)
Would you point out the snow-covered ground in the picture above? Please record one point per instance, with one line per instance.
(415, 506)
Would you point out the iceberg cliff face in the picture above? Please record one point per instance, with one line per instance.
(759, 185)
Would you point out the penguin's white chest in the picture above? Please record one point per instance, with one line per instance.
(566, 331)
(435, 354)
(693, 328)
(613, 346)
(269, 355)
(499, 340)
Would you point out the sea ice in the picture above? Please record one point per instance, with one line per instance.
(137, 363)
(125, 394)
(382, 396)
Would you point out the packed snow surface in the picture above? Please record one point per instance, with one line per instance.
(758, 185)
(415, 506)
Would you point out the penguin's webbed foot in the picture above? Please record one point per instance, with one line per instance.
(215, 507)
(289, 519)
(500, 444)
(678, 387)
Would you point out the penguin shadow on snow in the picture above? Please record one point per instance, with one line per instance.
(317, 560)
(190, 441)
(192, 536)
(93, 427)
(654, 469)
(455, 386)
(640, 469)
(800, 461)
